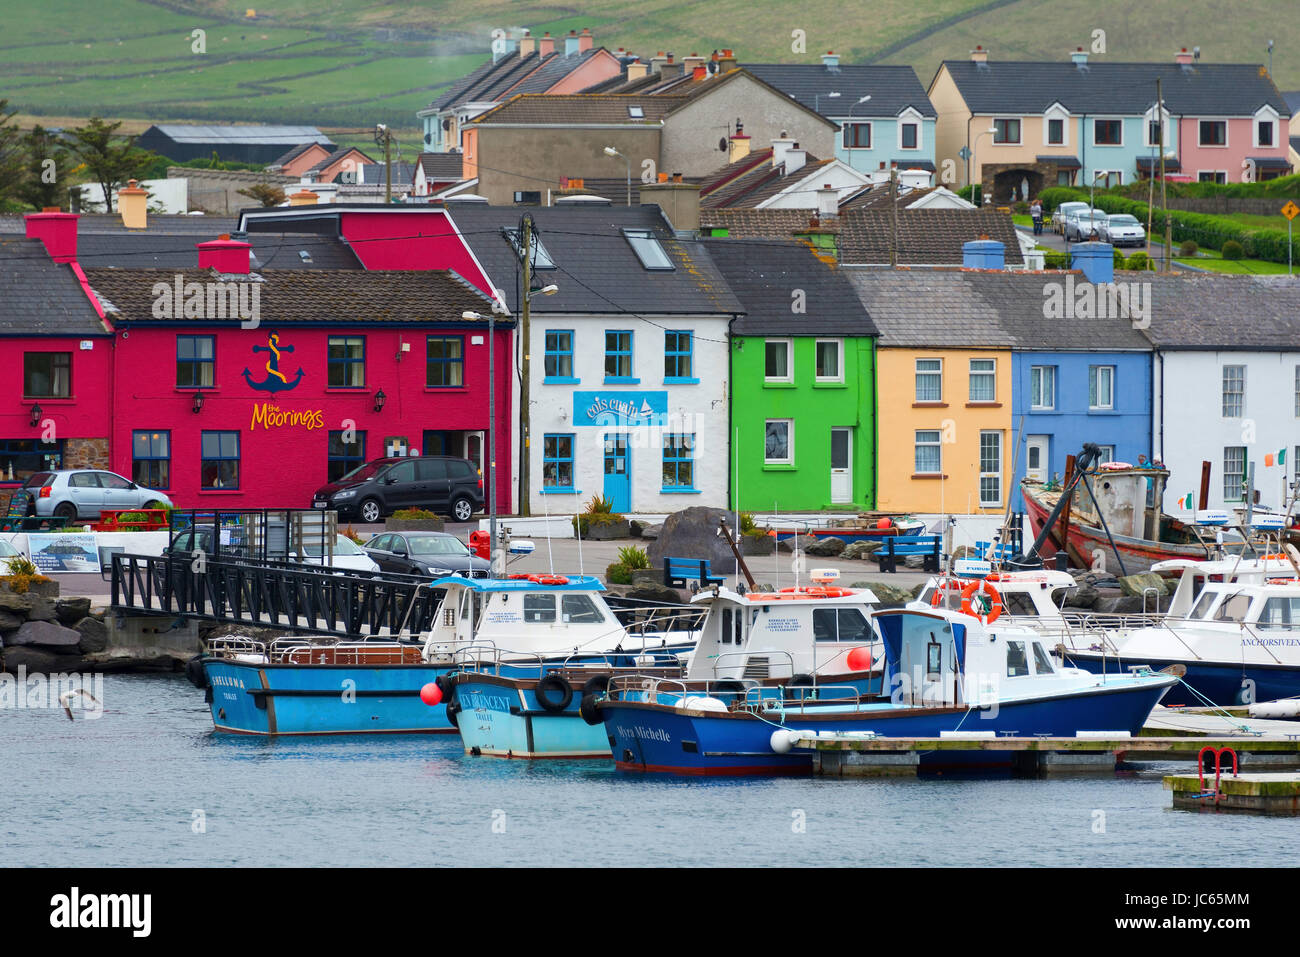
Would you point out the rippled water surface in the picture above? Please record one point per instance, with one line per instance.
(129, 787)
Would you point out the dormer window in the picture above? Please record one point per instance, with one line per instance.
(1056, 132)
(909, 136)
(648, 249)
(541, 258)
(636, 112)
(1264, 133)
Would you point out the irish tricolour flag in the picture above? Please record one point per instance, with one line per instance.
(1275, 458)
(1186, 501)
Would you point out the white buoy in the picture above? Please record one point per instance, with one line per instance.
(783, 740)
(701, 703)
(1289, 708)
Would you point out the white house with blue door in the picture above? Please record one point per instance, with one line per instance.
(885, 116)
(627, 370)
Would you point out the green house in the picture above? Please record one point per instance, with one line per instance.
(803, 372)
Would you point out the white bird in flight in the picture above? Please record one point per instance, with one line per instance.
(68, 697)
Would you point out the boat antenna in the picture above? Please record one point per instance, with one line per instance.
(577, 526)
(546, 512)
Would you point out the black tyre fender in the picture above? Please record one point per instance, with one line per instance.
(195, 673)
(550, 683)
(447, 686)
(453, 709)
(587, 708)
(801, 681)
(596, 684)
(737, 687)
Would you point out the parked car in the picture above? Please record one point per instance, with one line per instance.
(1062, 212)
(85, 493)
(425, 553)
(347, 554)
(440, 483)
(1084, 224)
(1123, 230)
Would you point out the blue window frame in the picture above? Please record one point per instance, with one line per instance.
(22, 457)
(445, 362)
(196, 362)
(151, 458)
(347, 362)
(679, 463)
(618, 356)
(679, 346)
(343, 455)
(559, 356)
(557, 463)
(219, 468)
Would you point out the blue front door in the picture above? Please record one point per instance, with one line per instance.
(618, 484)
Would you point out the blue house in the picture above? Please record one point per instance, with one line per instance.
(1081, 371)
(884, 114)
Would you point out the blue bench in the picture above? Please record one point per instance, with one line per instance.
(1000, 552)
(678, 571)
(900, 546)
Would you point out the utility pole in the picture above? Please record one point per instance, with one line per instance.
(526, 250)
(1164, 196)
(893, 216)
(384, 138)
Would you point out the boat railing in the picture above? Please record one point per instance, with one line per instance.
(1258, 641)
(766, 705)
(659, 618)
(233, 646)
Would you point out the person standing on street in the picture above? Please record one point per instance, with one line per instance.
(1036, 211)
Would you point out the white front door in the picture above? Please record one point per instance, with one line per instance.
(841, 466)
(1036, 457)
(474, 450)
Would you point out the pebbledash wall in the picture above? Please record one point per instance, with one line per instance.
(283, 438)
(598, 429)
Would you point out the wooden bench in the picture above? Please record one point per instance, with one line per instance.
(900, 546)
(677, 571)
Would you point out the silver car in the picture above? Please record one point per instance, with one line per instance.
(1083, 225)
(1123, 230)
(85, 493)
(1062, 213)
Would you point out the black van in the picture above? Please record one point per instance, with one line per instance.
(440, 483)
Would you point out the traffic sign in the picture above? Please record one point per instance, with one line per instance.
(1290, 210)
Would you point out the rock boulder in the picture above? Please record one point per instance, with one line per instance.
(692, 533)
(69, 611)
(825, 547)
(45, 633)
(94, 635)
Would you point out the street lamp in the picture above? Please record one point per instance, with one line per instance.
(817, 100)
(1092, 194)
(380, 399)
(36, 414)
(491, 318)
(610, 151)
(990, 131)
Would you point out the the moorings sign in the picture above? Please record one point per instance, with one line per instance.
(270, 416)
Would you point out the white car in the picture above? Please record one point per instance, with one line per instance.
(1084, 225)
(1062, 213)
(1123, 230)
(347, 554)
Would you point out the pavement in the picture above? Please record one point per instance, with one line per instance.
(568, 556)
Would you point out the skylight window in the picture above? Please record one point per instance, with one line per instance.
(636, 112)
(647, 248)
(541, 258)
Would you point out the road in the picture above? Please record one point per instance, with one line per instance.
(1051, 240)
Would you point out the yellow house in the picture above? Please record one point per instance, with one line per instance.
(944, 393)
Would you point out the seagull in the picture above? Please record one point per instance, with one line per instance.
(68, 697)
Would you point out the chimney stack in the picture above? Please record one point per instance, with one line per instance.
(1079, 57)
(225, 255)
(636, 70)
(983, 254)
(680, 202)
(571, 43)
(979, 55)
(831, 60)
(780, 146)
(57, 230)
(133, 205)
(795, 159)
(738, 145)
(1183, 58)
(657, 62)
(304, 197)
(527, 44)
(828, 201)
(546, 45)
(727, 61)
(584, 40)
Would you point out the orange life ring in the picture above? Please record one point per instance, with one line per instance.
(817, 591)
(1284, 581)
(944, 586)
(549, 579)
(1274, 556)
(995, 601)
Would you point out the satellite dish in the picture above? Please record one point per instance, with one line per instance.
(428, 138)
(722, 144)
(446, 124)
(713, 67)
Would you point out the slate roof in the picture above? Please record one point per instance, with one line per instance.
(39, 297)
(169, 224)
(749, 181)
(511, 74)
(254, 135)
(307, 296)
(611, 108)
(1225, 312)
(597, 271)
(1205, 89)
(443, 166)
(298, 150)
(555, 69)
(376, 174)
(892, 88)
(764, 274)
(337, 155)
(926, 237)
(145, 250)
(957, 308)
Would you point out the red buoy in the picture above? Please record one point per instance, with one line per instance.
(431, 694)
(860, 659)
(884, 523)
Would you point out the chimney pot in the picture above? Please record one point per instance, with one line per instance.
(57, 230)
(225, 255)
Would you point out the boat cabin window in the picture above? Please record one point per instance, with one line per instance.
(580, 610)
(1042, 662)
(1017, 663)
(1059, 595)
(724, 627)
(840, 624)
(1018, 603)
(1234, 607)
(1202, 607)
(539, 608)
(1280, 613)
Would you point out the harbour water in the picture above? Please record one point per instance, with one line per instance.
(149, 784)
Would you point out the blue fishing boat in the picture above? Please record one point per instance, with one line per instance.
(944, 671)
(513, 626)
(745, 648)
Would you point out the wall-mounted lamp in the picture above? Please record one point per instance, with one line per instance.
(36, 414)
(197, 406)
(380, 399)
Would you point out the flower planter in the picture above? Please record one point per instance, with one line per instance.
(413, 525)
(47, 589)
(598, 532)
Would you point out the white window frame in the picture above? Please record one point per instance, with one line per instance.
(1224, 393)
(1215, 172)
(1020, 131)
(1108, 173)
(839, 360)
(789, 442)
(917, 373)
(1147, 119)
(1239, 495)
(1056, 112)
(1095, 371)
(1227, 132)
(990, 502)
(1051, 398)
(937, 443)
(1266, 114)
(909, 115)
(1106, 453)
(789, 361)
(1107, 119)
(971, 374)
